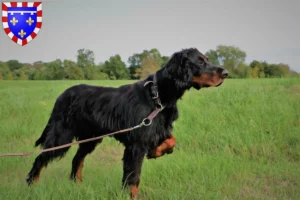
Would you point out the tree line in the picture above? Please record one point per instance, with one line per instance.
(140, 65)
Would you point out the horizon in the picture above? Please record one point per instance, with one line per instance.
(126, 60)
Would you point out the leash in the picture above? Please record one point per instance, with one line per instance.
(145, 122)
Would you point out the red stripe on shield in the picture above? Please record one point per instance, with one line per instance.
(7, 31)
(13, 4)
(39, 25)
(4, 19)
(39, 13)
(4, 7)
(15, 39)
(24, 4)
(36, 4)
(33, 35)
(24, 42)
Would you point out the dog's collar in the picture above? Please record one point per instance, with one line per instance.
(154, 92)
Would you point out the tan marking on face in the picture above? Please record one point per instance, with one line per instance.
(204, 57)
(208, 80)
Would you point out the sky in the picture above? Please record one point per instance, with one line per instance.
(266, 30)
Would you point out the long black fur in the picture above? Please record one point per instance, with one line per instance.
(85, 111)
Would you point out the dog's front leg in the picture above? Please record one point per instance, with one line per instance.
(166, 147)
(132, 166)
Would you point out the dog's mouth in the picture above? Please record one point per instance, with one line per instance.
(206, 85)
(222, 81)
(206, 81)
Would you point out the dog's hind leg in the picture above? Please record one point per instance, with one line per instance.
(42, 160)
(78, 160)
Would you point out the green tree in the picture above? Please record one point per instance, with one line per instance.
(255, 72)
(164, 60)
(101, 66)
(258, 68)
(230, 53)
(115, 67)
(54, 70)
(263, 69)
(248, 72)
(14, 65)
(27, 71)
(89, 71)
(85, 58)
(254, 63)
(154, 53)
(100, 76)
(294, 74)
(149, 66)
(241, 70)
(284, 70)
(39, 71)
(68, 63)
(229, 57)
(112, 76)
(75, 73)
(22, 75)
(4, 69)
(39, 75)
(9, 76)
(230, 66)
(135, 61)
(94, 73)
(72, 71)
(261, 74)
(213, 57)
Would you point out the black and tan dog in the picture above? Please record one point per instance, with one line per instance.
(85, 111)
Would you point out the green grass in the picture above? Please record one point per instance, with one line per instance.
(238, 141)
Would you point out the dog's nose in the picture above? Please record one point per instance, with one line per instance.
(225, 73)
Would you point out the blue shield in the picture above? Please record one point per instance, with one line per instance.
(22, 20)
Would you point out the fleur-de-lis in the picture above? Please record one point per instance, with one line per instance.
(29, 21)
(22, 33)
(14, 21)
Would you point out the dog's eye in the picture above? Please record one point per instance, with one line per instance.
(201, 60)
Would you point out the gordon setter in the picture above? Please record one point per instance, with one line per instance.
(85, 111)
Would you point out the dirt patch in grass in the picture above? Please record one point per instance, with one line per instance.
(294, 89)
(108, 154)
(267, 187)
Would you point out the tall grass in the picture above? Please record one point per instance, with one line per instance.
(237, 141)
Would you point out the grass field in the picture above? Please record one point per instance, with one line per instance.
(238, 141)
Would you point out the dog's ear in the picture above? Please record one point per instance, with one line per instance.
(183, 59)
(185, 73)
(178, 68)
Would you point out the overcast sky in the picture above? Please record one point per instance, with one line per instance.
(267, 30)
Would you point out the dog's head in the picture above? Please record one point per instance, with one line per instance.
(190, 68)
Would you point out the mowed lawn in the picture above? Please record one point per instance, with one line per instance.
(238, 141)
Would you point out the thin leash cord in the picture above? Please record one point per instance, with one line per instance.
(73, 143)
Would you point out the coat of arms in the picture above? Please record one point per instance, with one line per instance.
(22, 20)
